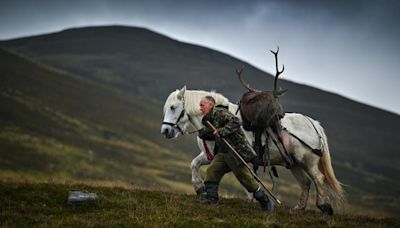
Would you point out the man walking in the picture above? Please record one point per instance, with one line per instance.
(228, 127)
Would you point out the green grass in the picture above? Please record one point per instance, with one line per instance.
(45, 204)
(55, 125)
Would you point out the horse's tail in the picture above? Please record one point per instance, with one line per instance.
(334, 187)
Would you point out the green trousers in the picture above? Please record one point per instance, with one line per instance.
(224, 163)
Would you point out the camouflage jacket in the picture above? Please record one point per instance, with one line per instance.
(228, 126)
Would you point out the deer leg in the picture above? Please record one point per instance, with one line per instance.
(288, 160)
(258, 148)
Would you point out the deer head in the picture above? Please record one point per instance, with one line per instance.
(275, 92)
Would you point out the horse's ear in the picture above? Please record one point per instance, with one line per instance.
(181, 93)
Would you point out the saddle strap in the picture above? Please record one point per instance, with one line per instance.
(315, 151)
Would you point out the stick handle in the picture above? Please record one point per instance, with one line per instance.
(247, 165)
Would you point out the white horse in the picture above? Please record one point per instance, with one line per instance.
(182, 111)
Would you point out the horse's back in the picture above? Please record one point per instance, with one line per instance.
(303, 127)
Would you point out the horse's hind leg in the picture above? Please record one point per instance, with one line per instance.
(305, 183)
(318, 178)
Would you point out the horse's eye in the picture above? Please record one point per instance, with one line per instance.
(173, 108)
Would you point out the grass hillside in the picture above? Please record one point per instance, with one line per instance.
(86, 104)
(57, 125)
(45, 204)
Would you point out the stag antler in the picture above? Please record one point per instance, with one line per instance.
(276, 91)
(246, 85)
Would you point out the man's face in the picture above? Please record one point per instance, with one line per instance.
(205, 106)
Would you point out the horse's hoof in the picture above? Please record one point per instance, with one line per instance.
(297, 209)
(201, 190)
(200, 194)
(326, 208)
(200, 198)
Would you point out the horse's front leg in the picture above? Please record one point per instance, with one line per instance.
(197, 180)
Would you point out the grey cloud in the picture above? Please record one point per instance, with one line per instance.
(347, 47)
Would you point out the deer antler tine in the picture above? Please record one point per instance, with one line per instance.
(283, 68)
(239, 71)
(275, 53)
(276, 92)
(246, 85)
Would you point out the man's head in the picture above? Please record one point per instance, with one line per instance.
(206, 104)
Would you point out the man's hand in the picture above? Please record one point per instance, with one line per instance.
(255, 163)
(216, 133)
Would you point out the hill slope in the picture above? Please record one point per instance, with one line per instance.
(38, 204)
(56, 124)
(95, 114)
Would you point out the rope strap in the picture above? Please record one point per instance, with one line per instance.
(208, 153)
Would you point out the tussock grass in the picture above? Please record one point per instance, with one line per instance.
(31, 203)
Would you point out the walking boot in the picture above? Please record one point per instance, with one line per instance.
(211, 196)
(262, 198)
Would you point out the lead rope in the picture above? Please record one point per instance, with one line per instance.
(208, 153)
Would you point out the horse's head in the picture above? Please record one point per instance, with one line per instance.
(176, 119)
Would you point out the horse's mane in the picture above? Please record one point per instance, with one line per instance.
(193, 97)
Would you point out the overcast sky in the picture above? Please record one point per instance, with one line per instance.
(347, 47)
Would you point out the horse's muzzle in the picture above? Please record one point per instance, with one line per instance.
(168, 131)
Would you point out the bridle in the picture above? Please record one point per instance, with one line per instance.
(175, 125)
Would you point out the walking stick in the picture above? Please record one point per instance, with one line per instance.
(247, 165)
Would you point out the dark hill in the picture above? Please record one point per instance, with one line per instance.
(57, 125)
(139, 62)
